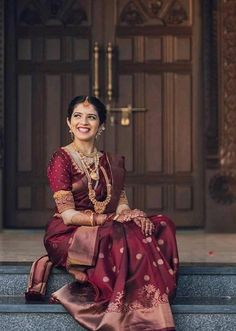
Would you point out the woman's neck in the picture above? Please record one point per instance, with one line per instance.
(85, 147)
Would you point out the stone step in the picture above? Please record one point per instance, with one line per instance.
(194, 280)
(202, 314)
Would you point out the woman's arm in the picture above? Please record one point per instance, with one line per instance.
(89, 218)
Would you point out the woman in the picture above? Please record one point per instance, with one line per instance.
(124, 262)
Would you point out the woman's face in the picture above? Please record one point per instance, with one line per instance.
(84, 122)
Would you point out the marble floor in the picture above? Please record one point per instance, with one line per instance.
(195, 246)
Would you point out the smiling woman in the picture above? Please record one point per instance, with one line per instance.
(85, 120)
(124, 262)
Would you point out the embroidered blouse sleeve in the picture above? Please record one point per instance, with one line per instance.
(59, 175)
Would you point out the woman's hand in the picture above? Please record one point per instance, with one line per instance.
(133, 213)
(145, 224)
(129, 215)
(122, 218)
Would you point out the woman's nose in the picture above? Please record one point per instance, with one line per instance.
(84, 120)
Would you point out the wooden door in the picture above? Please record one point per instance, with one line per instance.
(159, 69)
(156, 67)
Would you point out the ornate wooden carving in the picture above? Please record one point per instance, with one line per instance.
(176, 14)
(30, 15)
(1, 80)
(228, 70)
(139, 12)
(154, 7)
(132, 15)
(55, 6)
(222, 187)
(36, 13)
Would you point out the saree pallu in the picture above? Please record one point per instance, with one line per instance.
(125, 281)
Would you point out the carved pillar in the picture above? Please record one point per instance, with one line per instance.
(221, 206)
(228, 86)
(1, 105)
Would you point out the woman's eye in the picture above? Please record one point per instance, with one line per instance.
(92, 117)
(76, 115)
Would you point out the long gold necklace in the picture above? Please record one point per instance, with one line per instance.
(99, 206)
(94, 174)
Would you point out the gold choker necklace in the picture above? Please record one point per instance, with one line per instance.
(92, 154)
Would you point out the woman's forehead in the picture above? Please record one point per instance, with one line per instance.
(88, 109)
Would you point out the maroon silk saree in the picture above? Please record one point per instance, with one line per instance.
(123, 280)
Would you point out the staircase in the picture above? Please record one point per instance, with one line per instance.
(206, 300)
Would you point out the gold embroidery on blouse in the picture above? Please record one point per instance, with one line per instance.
(64, 200)
(75, 158)
(68, 151)
(123, 198)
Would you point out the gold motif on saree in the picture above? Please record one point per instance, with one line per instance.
(64, 200)
(148, 297)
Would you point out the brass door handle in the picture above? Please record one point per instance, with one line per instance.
(96, 86)
(109, 72)
(125, 113)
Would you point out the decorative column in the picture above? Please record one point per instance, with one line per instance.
(221, 210)
(227, 74)
(1, 106)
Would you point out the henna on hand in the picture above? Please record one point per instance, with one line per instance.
(146, 225)
(133, 213)
(123, 218)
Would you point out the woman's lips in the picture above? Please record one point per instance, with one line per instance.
(83, 130)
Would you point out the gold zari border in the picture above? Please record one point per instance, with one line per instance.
(64, 200)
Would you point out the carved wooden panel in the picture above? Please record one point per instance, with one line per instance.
(52, 12)
(153, 123)
(24, 197)
(52, 49)
(24, 141)
(140, 12)
(24, 49)
(154, 197)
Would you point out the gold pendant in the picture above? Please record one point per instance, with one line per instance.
(94, 175)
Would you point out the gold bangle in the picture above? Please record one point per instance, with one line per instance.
(92, 221)
(90, 213)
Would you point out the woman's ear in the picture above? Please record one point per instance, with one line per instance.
(68, 122)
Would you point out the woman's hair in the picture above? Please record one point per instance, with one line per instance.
(97, 104)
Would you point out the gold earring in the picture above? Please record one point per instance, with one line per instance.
(71, 135)
(100, 130)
